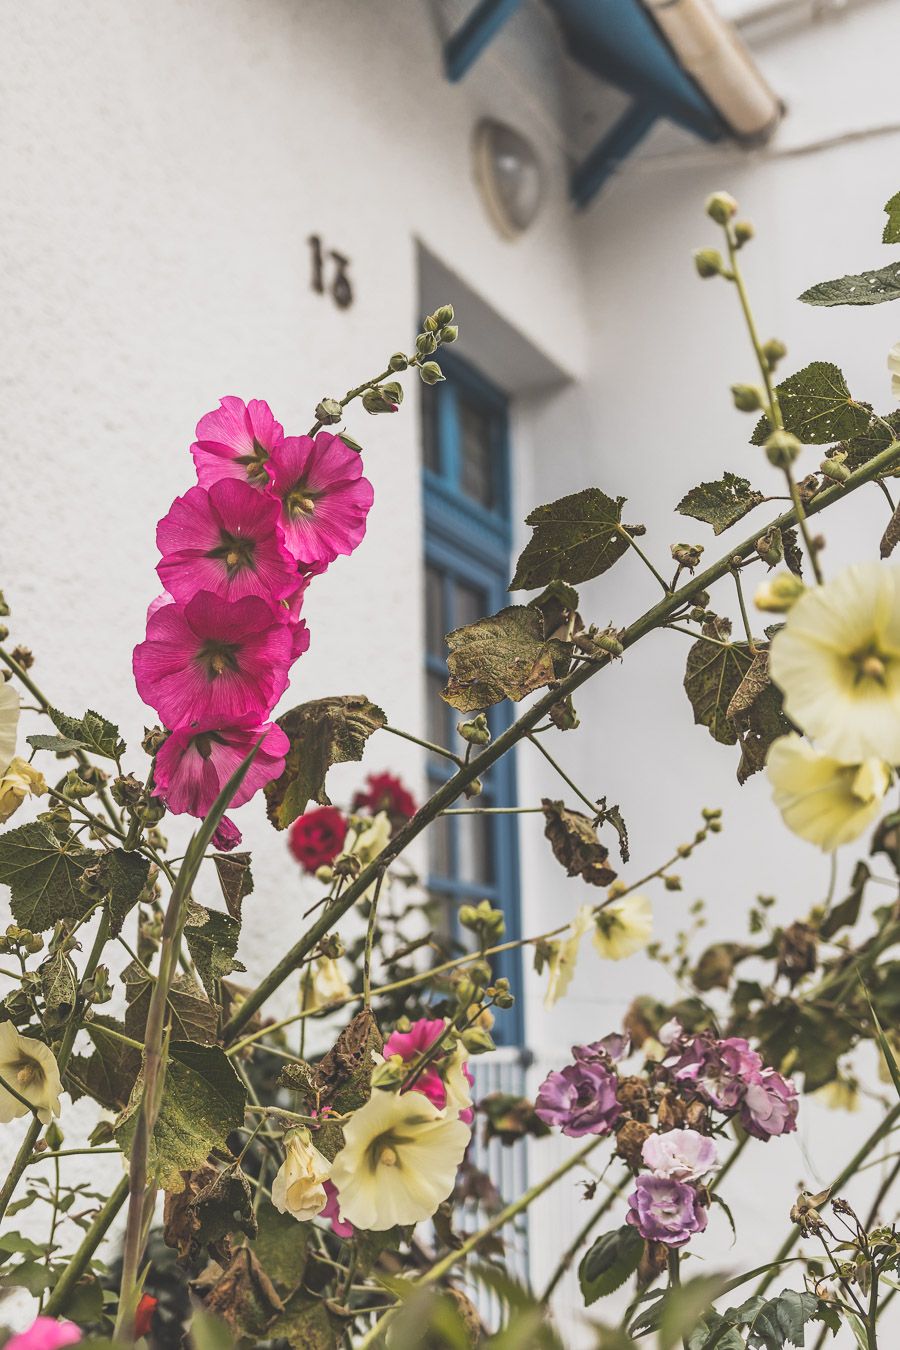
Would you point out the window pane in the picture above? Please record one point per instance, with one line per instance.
(474, 852)
(436, 710)
(435, 618)
(469, 605)
(439, 855)
(476, 452)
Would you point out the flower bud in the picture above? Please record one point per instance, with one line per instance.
(779, 593)
(672, 882)
(708, 262)
(4, 634)
(329, 411)
(449, 333)
(743, 232)
(399, 361)
(478, 1040)
(4, 607)
(430, 324)
(746, 397)
(154, 739)
(721, 207)
(389, 1074)
(476, 732)
(774, 351)
(325, 874)
(835, 469)
(381, 398)
(23, 656)
(347, 865)
(770, 547)
(431, 372)
(445, 314)
(426, 343)
(473, 789)
(782, 448)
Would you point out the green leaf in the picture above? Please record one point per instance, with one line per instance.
(15, 1243)
(609, 1262)
(324, 732)
(109, 1073)
(779, 1321)
(575, 538)
(503, 656)
(31, 1275)
(236, 880)
(123, 876)
(58, 744)
(756, 711)
(575, 844)
(92, 732)
(884, 1045)
(682, 1307)
(712, 678)
(864, 446)
(891, 233)
(212, 939)
(193, 1017)
(58, 983)
(209, 1332)
(202, 1103)
(305, 1324)
(43, 872)
(816, 407)
(866, 288)
(846, 913)
(281, 1247)
(722, 503)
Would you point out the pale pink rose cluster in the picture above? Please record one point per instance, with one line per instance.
(238, 551)
(666, 1205)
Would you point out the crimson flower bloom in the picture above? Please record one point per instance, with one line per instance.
(224, 539)
(317, 837)
(324, 497)
(236, 440)
(386, 793)
(143, 1317)
(213, 661)
(195, 763)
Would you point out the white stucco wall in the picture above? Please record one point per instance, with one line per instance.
(164, 166)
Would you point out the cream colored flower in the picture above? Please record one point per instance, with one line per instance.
(840, 1095)
(459, 1090)
(624, 927)
(30, 1067)
(327, 985)
(820, 799)
(837, 661)
(18, 782)
(297, 1188)
(9, 723)
(565, 956)
(371, 839)
(399, 1160)
(893, 362)
(778, 594)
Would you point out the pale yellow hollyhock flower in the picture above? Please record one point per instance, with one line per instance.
(9, 723)
(297, 1188)
(840, 1095)
(777, 594)
(624, 927)
(820, 799)
(837, 661)
(30, 1067)
(399, 1160)
(893, 363)
(565, 956)
(371, 839)
(18, 782)
(328, 985)
(459, 1091)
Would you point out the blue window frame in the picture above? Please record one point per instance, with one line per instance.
(468, 535)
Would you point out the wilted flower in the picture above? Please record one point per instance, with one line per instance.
(227, 836)
(328, 985)
(821, 799)
(195, 763)
(399, 1160)
(770, 1105)
(30, 1067)
(665, 1210)
(685, 1155)
(564, 956)
(9, 723)
(45, 1333)
(624, 927)
(371, 839)
(19, 781)
(581, 1099)
(236, 441)
(837, 661)
(324, 498)
(298, 1186)
(718, 1069)
(317, 837)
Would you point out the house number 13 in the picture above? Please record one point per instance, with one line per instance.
(330, 277)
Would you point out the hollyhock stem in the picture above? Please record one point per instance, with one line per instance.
(426, 745)
(78, 1264)
(564, 776)
(644, 559)
(370, 938)
(654, 618)
(675, 1280)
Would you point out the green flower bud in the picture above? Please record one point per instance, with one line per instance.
(779, 593)
(449, 333)
(53, 1136)
(721, 207)
(782, 448)
(770, 547)
(743, 232)
(426, 343)
(431, 324)
(672, 882)
(329, 411)
(380, 399)
(4, 634)
(431, 372)
(4, 607)
(475, 732)
(477, 1040)
(774, 351)
(474, 789)
(444, 314)
(746, 397)
(399, 361)
(708, 262)
(390, 1074)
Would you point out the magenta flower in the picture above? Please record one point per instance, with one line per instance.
(194, 764)
(685, 1155)
(770, 1105)
(224, 539)
(332, 1212)
(45, 1333)
(581, 1099)
(665, 1210)
(213, 661)
(409, 1045)
(324, 498)
(236, 441)
(719, 1070)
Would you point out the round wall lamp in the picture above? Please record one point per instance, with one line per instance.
(509, 177)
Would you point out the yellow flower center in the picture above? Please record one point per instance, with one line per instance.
(217, 657)
(28, 1072)
(299, 503)
(389, 1157)
(255, 465)
(871, 664)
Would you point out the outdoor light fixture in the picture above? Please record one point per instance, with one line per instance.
(509, 177)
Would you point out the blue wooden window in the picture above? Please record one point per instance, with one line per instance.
(467, 558)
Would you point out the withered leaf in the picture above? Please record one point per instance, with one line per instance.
(503, 656)
(757, 715)
(192, 1016)
(236, 880)
(575, 538)
(574, 841)
(342, 1079)
(324, 732)
(243, 1295)
(713, 675)
(722, 503)
(891, 537)
(212, 1206)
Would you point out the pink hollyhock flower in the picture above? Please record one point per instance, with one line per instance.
(332, 1212)
(195, 763)
(685, 1155)
(665, 1210)
(409, 1045)
(324, 498)
(213, 661)
(236, 441)
(227, 835)
(224, 539)
(45, 1333)
(770, 1105)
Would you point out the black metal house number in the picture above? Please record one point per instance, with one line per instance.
(330, 279)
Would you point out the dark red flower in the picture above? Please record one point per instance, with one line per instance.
(143, 1317)
(386, 793)
(318, 837)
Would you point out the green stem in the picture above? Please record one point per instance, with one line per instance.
(426, 745)
(804, 528)
(655, 617)
(78, 1264)
(751, 641)
(644, 559)
(564, 776)
(370, 939)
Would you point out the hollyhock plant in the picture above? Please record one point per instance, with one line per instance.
(685, 1155)
(29, 1066)
(225, 539)
(451, 1086)
(770, 1105)
(324, 498)
(317, 837)
(298, 1186)
(45, 1333)
(385, 792)
(213, 661)
(580, 1098)
(332, 1212)
(195, 762)
(820, 799)
(9, 722)
(227, 836)
(236, 440)
(665, 1210)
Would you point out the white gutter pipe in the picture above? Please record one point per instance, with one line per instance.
(711, 52)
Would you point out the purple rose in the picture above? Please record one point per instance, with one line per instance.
(719, 1070)
(610, 1048)
(685, 1155)
(665, 1210)
(769, 1106)
(581, 1098)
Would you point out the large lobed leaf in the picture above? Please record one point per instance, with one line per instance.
(816, 407)
(212, 939)
(90, 732)
(756, 711)
(722, 503)
(503, 656)
(712, 678)
(575, 538)
(324, 732)
(865, 288)
(43, 871)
